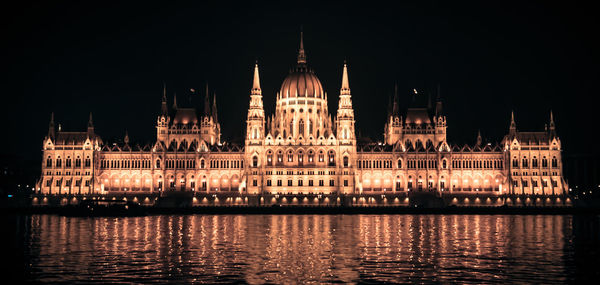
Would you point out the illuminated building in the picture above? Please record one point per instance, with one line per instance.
(301, 149)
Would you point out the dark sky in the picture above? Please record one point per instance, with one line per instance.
(75, 57)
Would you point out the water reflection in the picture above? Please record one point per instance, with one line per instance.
(308, 248)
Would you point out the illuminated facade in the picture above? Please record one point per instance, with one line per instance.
(301, 149)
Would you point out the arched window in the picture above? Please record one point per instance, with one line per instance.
(301, 127)
(444, 163)
(544, 162)
(58, 162)
(300, 158)
(331, 158)
(554, 162)
(201, 163)
(280, 157)
(158, 163)
(269, 158)
(525, 164)
(311, 156)
(292, 127)
(290, 156)
(255, 161)
(534, 162)
(49, 162)
(68, 161)
(345, 161)
(399, 163)
(515, 162)
(321, 156)
(78, 162)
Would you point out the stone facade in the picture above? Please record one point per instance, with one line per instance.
(301, 150)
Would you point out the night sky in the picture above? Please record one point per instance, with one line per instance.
(489, 58)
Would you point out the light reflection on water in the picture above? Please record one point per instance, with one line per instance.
(309, 248)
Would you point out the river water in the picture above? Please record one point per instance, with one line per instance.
(304, 248)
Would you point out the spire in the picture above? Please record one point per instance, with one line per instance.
(395, 108)
(345, 90)
(478, 137)
(214, 108)
(513, 125)
(438, 102)
(51, 126)
(207, 103)
(126, 138)
(256, 83)
(90, 125)
(552, 126)
(174, 100)
(301, 54)
(164, 111)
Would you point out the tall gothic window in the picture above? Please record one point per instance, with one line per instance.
(554, 162)
(292, 128)
(301, 127)
(255, 161)
(310, 126)
(49, 162)
(345, 161)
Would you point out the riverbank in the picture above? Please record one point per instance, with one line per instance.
(301, 210)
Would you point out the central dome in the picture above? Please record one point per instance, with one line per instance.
(301, 83)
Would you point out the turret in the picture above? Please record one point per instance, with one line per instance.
(393, 126)
(255, 123)
(345, 112)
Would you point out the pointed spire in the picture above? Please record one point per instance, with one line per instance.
(513, 125)
(126, 138)
(207, 102)
(395, 107)
(256, 82)
(174, 100)
(51, 126)
(301, 54)
(438, 103)
(214, 108)
(478, 137)
(90, 125)
(552, 126)
(345, 90)
(164, 110)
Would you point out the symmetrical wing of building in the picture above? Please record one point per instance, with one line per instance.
(301, 149)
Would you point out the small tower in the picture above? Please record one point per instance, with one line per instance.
(163, 120)
(479, 140)
(345, 112)
(439, 119)
(393, 125)
(126, 138)
(255, 133)
(255, 122)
